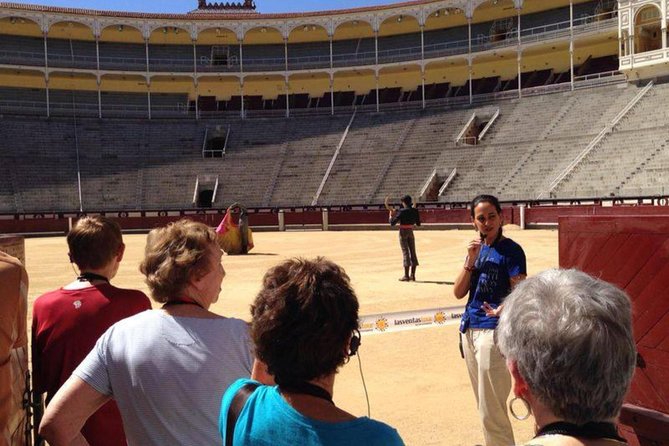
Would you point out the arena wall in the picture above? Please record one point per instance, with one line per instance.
(370, 217)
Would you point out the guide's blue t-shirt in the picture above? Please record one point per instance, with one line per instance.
(490, 281)
(268, 420)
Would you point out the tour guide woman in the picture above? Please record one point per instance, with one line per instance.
(494, 265)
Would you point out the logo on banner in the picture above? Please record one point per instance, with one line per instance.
(440, 317)
(382, 324)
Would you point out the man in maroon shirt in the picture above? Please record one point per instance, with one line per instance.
(68, 321)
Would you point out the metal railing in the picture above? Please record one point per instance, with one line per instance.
(255, 64)
(491, 121)
(447, 183)
(332, 161)
(426, 184)
(181, 110)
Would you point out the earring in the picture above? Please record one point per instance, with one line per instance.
(527, 408)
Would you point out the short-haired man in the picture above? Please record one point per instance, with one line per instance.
(67, 322)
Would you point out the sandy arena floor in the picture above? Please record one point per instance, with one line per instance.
(416, 380)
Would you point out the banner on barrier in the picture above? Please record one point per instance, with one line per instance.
(410, 320)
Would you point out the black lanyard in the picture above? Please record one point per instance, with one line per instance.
(307, 389)
(591, 430)
(479, 263)
(89, 277)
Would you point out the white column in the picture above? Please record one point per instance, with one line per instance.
(241, 93)
(146, 50)
(469, 57)
(571, 42)
(148, 96)
(99, 82)
(632, 47)
(376, 75)
(422, 63)
(422, 84)
(194, 57)
(285, 55)
(48, 107)
(331, 78)
(520, 57)
(241, 77)
(376, 65)
(331, 93)
(197, 98)
(97, 53)
(46, 75)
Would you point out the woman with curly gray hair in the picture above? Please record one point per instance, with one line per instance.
(568, 343)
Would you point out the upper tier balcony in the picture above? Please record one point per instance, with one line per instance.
(80, 55)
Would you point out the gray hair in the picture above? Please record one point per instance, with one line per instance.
(571, 338)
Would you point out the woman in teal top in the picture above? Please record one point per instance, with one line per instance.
(304, 327)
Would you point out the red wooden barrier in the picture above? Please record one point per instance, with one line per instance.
(633, 253)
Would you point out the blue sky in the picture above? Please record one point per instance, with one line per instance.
(182, 6)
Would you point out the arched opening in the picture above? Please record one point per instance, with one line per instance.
(445, 30)
(71, 45)
(353, 44)
(73, 93)
(225, 90)
(399, 39)
(309, 90)
(122, 48)
(170, 49)
(263, 49)
(647, 29)
(22, 91)
(21, 42)
(217, 50)
(124, 96)
(495, 21)
(171, 95)
(400, 83)
(444, 78)
(308, 47)
(264, 92)
(353, 87)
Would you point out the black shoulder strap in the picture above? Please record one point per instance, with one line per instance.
(235, 409)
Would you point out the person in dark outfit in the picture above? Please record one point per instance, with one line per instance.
(408, 217)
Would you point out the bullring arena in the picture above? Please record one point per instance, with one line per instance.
(416, 379)
(311, 120)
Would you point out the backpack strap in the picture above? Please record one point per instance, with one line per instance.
(236, 406)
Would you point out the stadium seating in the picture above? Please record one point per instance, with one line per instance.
(135, 163)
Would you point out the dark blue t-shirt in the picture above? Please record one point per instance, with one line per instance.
(490, 281)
